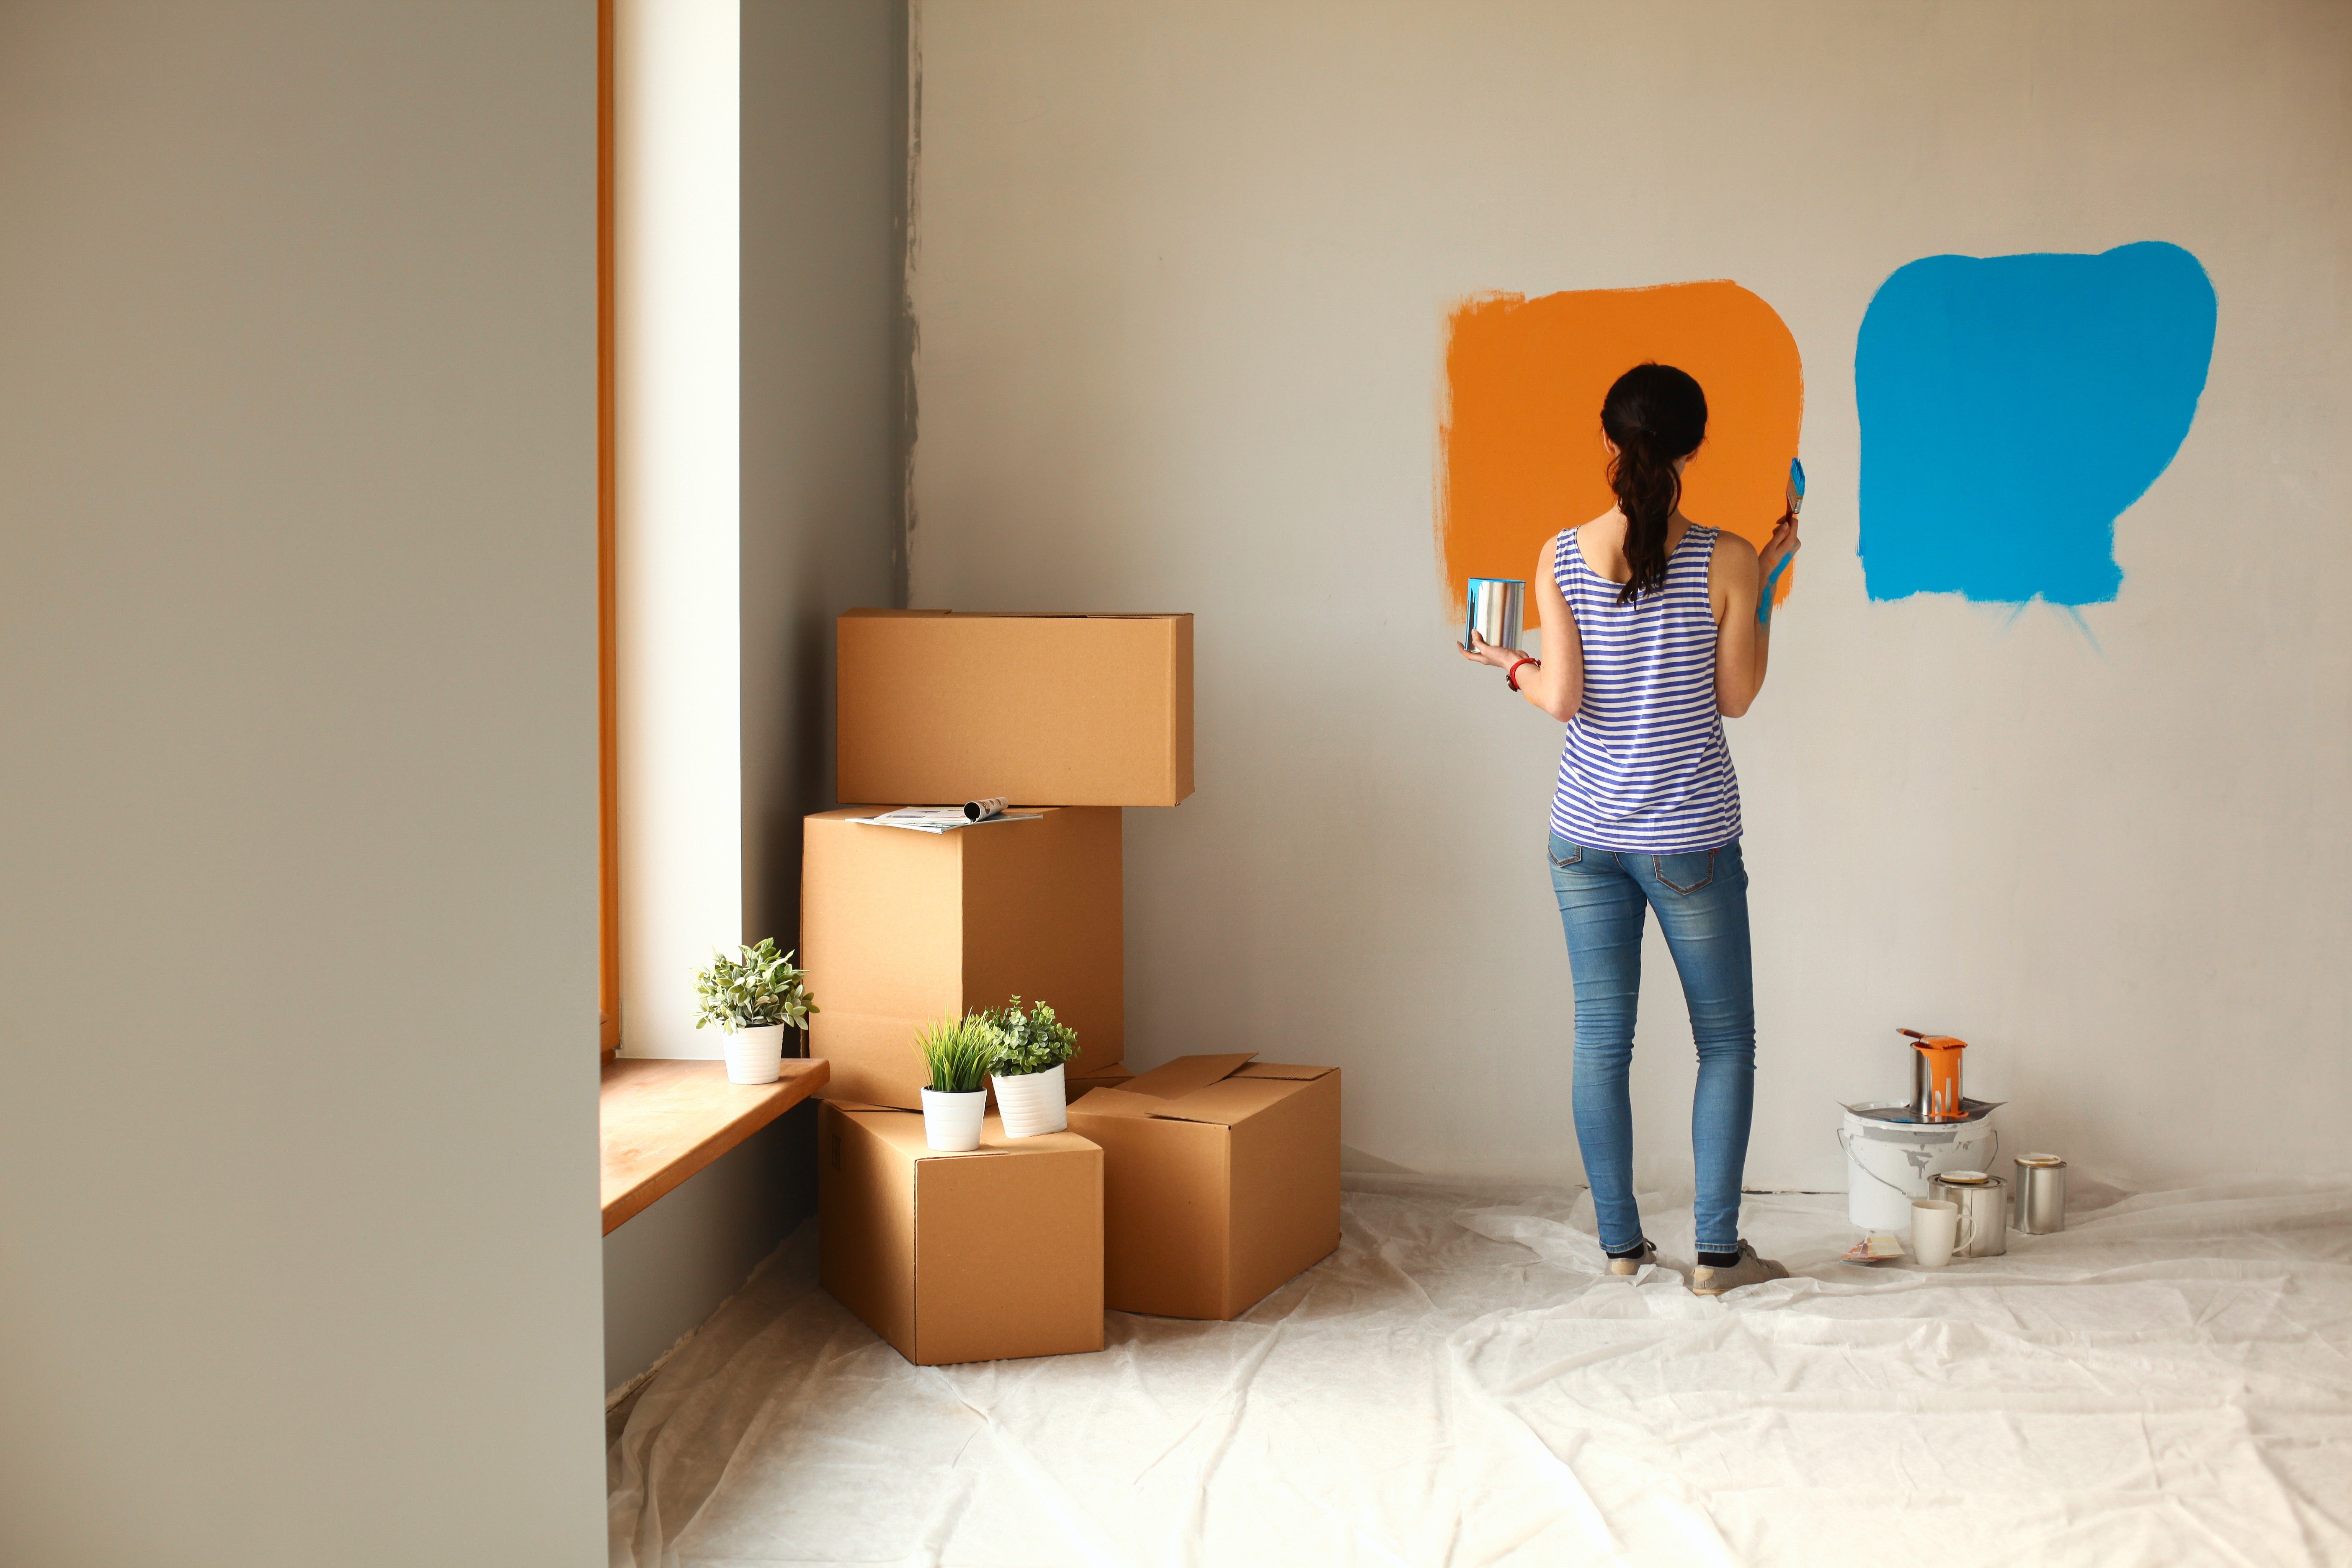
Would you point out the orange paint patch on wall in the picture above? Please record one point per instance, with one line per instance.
(1520, 455)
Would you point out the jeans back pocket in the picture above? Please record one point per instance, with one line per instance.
(1684, 873)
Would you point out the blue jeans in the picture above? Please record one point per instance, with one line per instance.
(1701, 904)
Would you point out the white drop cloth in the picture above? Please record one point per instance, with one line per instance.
(2166, 1382)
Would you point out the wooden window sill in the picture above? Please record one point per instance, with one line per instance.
(662, 1121)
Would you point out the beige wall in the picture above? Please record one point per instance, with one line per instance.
(1182, 278)
(297, 1251)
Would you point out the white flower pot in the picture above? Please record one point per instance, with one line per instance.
(951, 1121)
(756, 1055)
(1033, 1103)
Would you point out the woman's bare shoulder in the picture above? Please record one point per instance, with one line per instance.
(1731, 547)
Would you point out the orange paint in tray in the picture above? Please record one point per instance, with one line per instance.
(1520, 455)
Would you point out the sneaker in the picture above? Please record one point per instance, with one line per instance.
(1749, 1271)
(1633, 1264)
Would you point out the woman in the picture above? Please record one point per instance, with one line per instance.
(1654, 628)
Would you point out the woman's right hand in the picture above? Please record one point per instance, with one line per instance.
(1777, 549)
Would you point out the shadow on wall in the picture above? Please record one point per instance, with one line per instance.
(2013, 406)
(1520, 455)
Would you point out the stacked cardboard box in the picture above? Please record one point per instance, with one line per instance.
(1202, 1185)
(951, 1257)
(904, 929)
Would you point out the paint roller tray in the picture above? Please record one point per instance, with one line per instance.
(1902, 1113)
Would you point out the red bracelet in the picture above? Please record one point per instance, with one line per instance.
(1511, 676)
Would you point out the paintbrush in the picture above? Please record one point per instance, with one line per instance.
(1796, 503)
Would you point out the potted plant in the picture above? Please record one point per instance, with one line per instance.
(957, 1051)
(1027, 1066)
(753, 996)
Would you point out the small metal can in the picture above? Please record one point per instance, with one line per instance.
(1984, 1210)
(1497, 611)
(2040, 1203)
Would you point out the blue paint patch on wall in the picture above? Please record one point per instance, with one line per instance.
(2013, 406)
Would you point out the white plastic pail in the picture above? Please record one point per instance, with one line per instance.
(1887, 1163)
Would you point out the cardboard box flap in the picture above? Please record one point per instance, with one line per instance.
(1116, 1102)
(1290, 1071)
(871, 613)
(1173, 1080)
(1226, 1102)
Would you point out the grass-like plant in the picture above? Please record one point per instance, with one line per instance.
(753, 988)
(958, 1051)
(1035, 1041)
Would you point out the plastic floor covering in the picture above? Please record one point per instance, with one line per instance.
(2168, 1380)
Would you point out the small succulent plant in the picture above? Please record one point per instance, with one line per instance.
(753, 988)
(1035, 1041)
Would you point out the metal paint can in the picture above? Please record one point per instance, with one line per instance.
(2040, 1205)
(1936, 1078)
(1499, 611)
(1983, 1201)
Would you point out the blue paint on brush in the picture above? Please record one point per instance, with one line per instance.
(2013, 406)
(1796, 503)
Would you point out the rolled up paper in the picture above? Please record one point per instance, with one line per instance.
(982, 810)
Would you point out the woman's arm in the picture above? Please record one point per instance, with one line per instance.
(1556, 684)
(1740, 585)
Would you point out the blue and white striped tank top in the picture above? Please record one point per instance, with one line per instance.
(1645, 766)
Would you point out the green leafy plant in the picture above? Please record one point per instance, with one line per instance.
(755, 987)
(1035, 1041)
(958, 1051)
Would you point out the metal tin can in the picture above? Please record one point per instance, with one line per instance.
(1983, 1201)
(1498, 607)
(2040, 1198)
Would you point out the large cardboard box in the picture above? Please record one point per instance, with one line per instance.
(900, 929)
(1220, 1181)
(937, 707)
(950, 1258)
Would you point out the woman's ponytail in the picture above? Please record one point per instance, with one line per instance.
(1656, 416)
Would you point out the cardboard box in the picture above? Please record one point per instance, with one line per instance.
(901, 929)
(1115, 1076)
(1220, 1181)
(938, 708)
(951, 1257)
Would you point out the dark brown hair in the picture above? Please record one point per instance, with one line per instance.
(1655, 414)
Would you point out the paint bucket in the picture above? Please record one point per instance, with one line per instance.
(1889, 1163)
(1498, 610)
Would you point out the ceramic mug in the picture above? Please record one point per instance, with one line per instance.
(1935, 1231)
